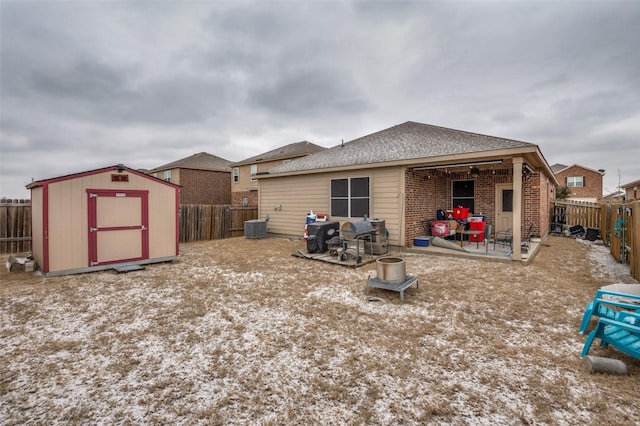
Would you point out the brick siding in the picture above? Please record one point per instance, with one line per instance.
(428, 191)
(238, 196)
(592, 182)
(204, 187)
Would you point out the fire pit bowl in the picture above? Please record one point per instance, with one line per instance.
(392, 270)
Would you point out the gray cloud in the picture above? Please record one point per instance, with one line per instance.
(87, 84)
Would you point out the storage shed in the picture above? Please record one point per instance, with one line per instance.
(103, 219)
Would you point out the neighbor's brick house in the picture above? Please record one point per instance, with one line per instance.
(585, 183)
(244, 185)
(632, 190)
(204, 178)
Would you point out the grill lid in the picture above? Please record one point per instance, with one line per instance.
(353, 230)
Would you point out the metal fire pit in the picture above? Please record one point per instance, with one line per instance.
(392, 276)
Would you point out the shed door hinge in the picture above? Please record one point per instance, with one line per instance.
(92, 195)
(92, 229)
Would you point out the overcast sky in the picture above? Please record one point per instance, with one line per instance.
(89, 84)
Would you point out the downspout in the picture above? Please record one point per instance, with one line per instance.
(517, 209)
(403, 232)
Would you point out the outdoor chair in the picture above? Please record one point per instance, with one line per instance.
(527, 237)
(503, 237)
(622, 333)
(608, 304)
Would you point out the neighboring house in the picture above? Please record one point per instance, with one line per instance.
(244, 185)
(204, 178)
(614, 197)
(632, 190)
(404, 174)
(585, 183)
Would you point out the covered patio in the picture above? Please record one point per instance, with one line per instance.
(506, 192)
(497, 252)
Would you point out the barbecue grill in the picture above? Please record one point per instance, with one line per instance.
(354, 230)
(352, 233)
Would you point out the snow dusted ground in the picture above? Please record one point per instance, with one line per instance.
(241, 332)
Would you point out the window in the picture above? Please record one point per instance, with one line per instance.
(350, 197)
(575, 181)
(507, 201)
(236, 175)
(463, 192)
(167, 175)
(254, 171)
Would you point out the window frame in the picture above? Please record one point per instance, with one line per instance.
(167, 176)
(235, 175)
(350, 198)
(465, 199)
(572, 181)
(253, 170)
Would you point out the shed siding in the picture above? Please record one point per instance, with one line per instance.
(37, 227)
(299, 194)
(68, 217)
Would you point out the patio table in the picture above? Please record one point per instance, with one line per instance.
(470, 232)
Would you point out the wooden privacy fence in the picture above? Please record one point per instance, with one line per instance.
(619, 226)
(15, 226)
(572, 213)
(208, 222)
(623, 233)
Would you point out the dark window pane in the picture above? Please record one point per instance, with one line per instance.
(507, 200)
(340, 207)
(463, 188)
(360, 187)
(360, 207)
(339, 188)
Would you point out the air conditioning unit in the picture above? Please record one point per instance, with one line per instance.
(255, 228)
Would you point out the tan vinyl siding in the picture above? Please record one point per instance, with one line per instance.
(299, 194)
(245, 183)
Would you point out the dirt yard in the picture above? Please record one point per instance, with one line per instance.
(239, 331)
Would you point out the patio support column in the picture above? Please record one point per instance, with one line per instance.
(517, 208)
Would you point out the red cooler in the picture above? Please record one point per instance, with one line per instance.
(476, 226)
(460, 213)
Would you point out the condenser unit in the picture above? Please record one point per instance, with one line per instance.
(255, 228)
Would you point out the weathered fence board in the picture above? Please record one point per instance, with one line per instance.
(209, 222)
(588, 215)
(633, 232)
(15, 226)
(619, 226)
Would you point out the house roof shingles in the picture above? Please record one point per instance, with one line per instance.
(405, 141)
(200, 161)
(556, 168)
(293, 150)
